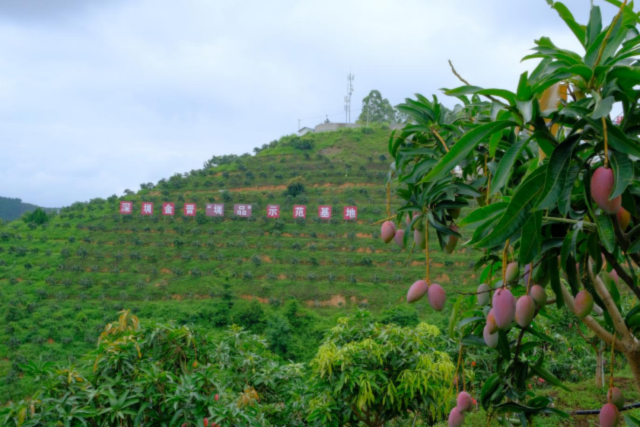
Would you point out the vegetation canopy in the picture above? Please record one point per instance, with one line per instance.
(553, 174)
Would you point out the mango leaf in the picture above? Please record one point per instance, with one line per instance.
(531, 240)
(618, 140)
(526, 109)
(554, 275)
(493, 143)
(606, 233)
(593, 50)
(503, 345)
(419, 169)
(463, 147)
(622, 172)
(603, 107)
(474, 340)
(489, 387)
(454, 315)
(506, 164)
(516, 214)
(557, 172)
(631, 421)
(469, 90)
(578, 30)
(564, 202)
(548, 376)
(595, 25)
(468, 320)
(634, 247)
(533, 331)
(627, 75)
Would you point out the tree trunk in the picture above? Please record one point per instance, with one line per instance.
(633, 357)
(599, 364)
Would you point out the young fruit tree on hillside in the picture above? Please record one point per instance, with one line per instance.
(558, 207)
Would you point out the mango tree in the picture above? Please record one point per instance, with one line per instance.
(370, 374)
(546, 174)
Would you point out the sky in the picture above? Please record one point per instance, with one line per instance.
(99, 96)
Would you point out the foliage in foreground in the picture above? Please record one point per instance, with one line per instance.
(554, 180)
(376, 373)
(168, 375)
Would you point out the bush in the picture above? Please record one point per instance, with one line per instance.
(37, 217)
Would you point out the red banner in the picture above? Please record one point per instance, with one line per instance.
(350, 212)
(146, 209)
(242, 210)
(126, 208)
(168, 209)
(189, 209)
(299, 211)
(215, 209)
(273, 211)
(324, 212)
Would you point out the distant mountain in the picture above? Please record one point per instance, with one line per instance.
(11, 209)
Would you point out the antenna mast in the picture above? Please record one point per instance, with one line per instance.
(347, 98)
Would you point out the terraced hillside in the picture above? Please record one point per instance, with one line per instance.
(61, 282)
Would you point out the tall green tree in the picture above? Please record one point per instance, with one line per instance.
(553, 199)
(376, 109)
(371, 374)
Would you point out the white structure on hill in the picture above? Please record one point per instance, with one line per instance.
(329, 127)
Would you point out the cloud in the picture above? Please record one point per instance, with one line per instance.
(99, 96)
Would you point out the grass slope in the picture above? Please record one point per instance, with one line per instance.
(62, 282)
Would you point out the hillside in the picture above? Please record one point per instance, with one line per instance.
(11, 209)
(63, 281)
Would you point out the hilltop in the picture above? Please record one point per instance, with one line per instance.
(11, 209)
(64, 280)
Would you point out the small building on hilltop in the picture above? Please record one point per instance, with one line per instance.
(304, 131)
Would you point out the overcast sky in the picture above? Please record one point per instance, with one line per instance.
(97, 96)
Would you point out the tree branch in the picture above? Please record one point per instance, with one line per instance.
(622, 273)
(616, 317)
(360, 417)
(590, 322)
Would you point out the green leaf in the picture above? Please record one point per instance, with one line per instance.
(517, 212)
(419, 169)
(475, 90)
(557, 171)
(622, 172)
(554, 275)
(634, 247)
(503, 344)
(506, 164)
(481, 215)
(606, 233)
(524, 89)
(603, 107)
(454, 315)
(631, 421)
(489, 387)
(564, 202)
(463, 147)
(548, 376)
(468, 320)
(595, 25)
(578, 30)
(618, 140)
(531, 239)
(493, 143)
(531, 330)
(526, 109)
(474, 340)
(593, 49)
